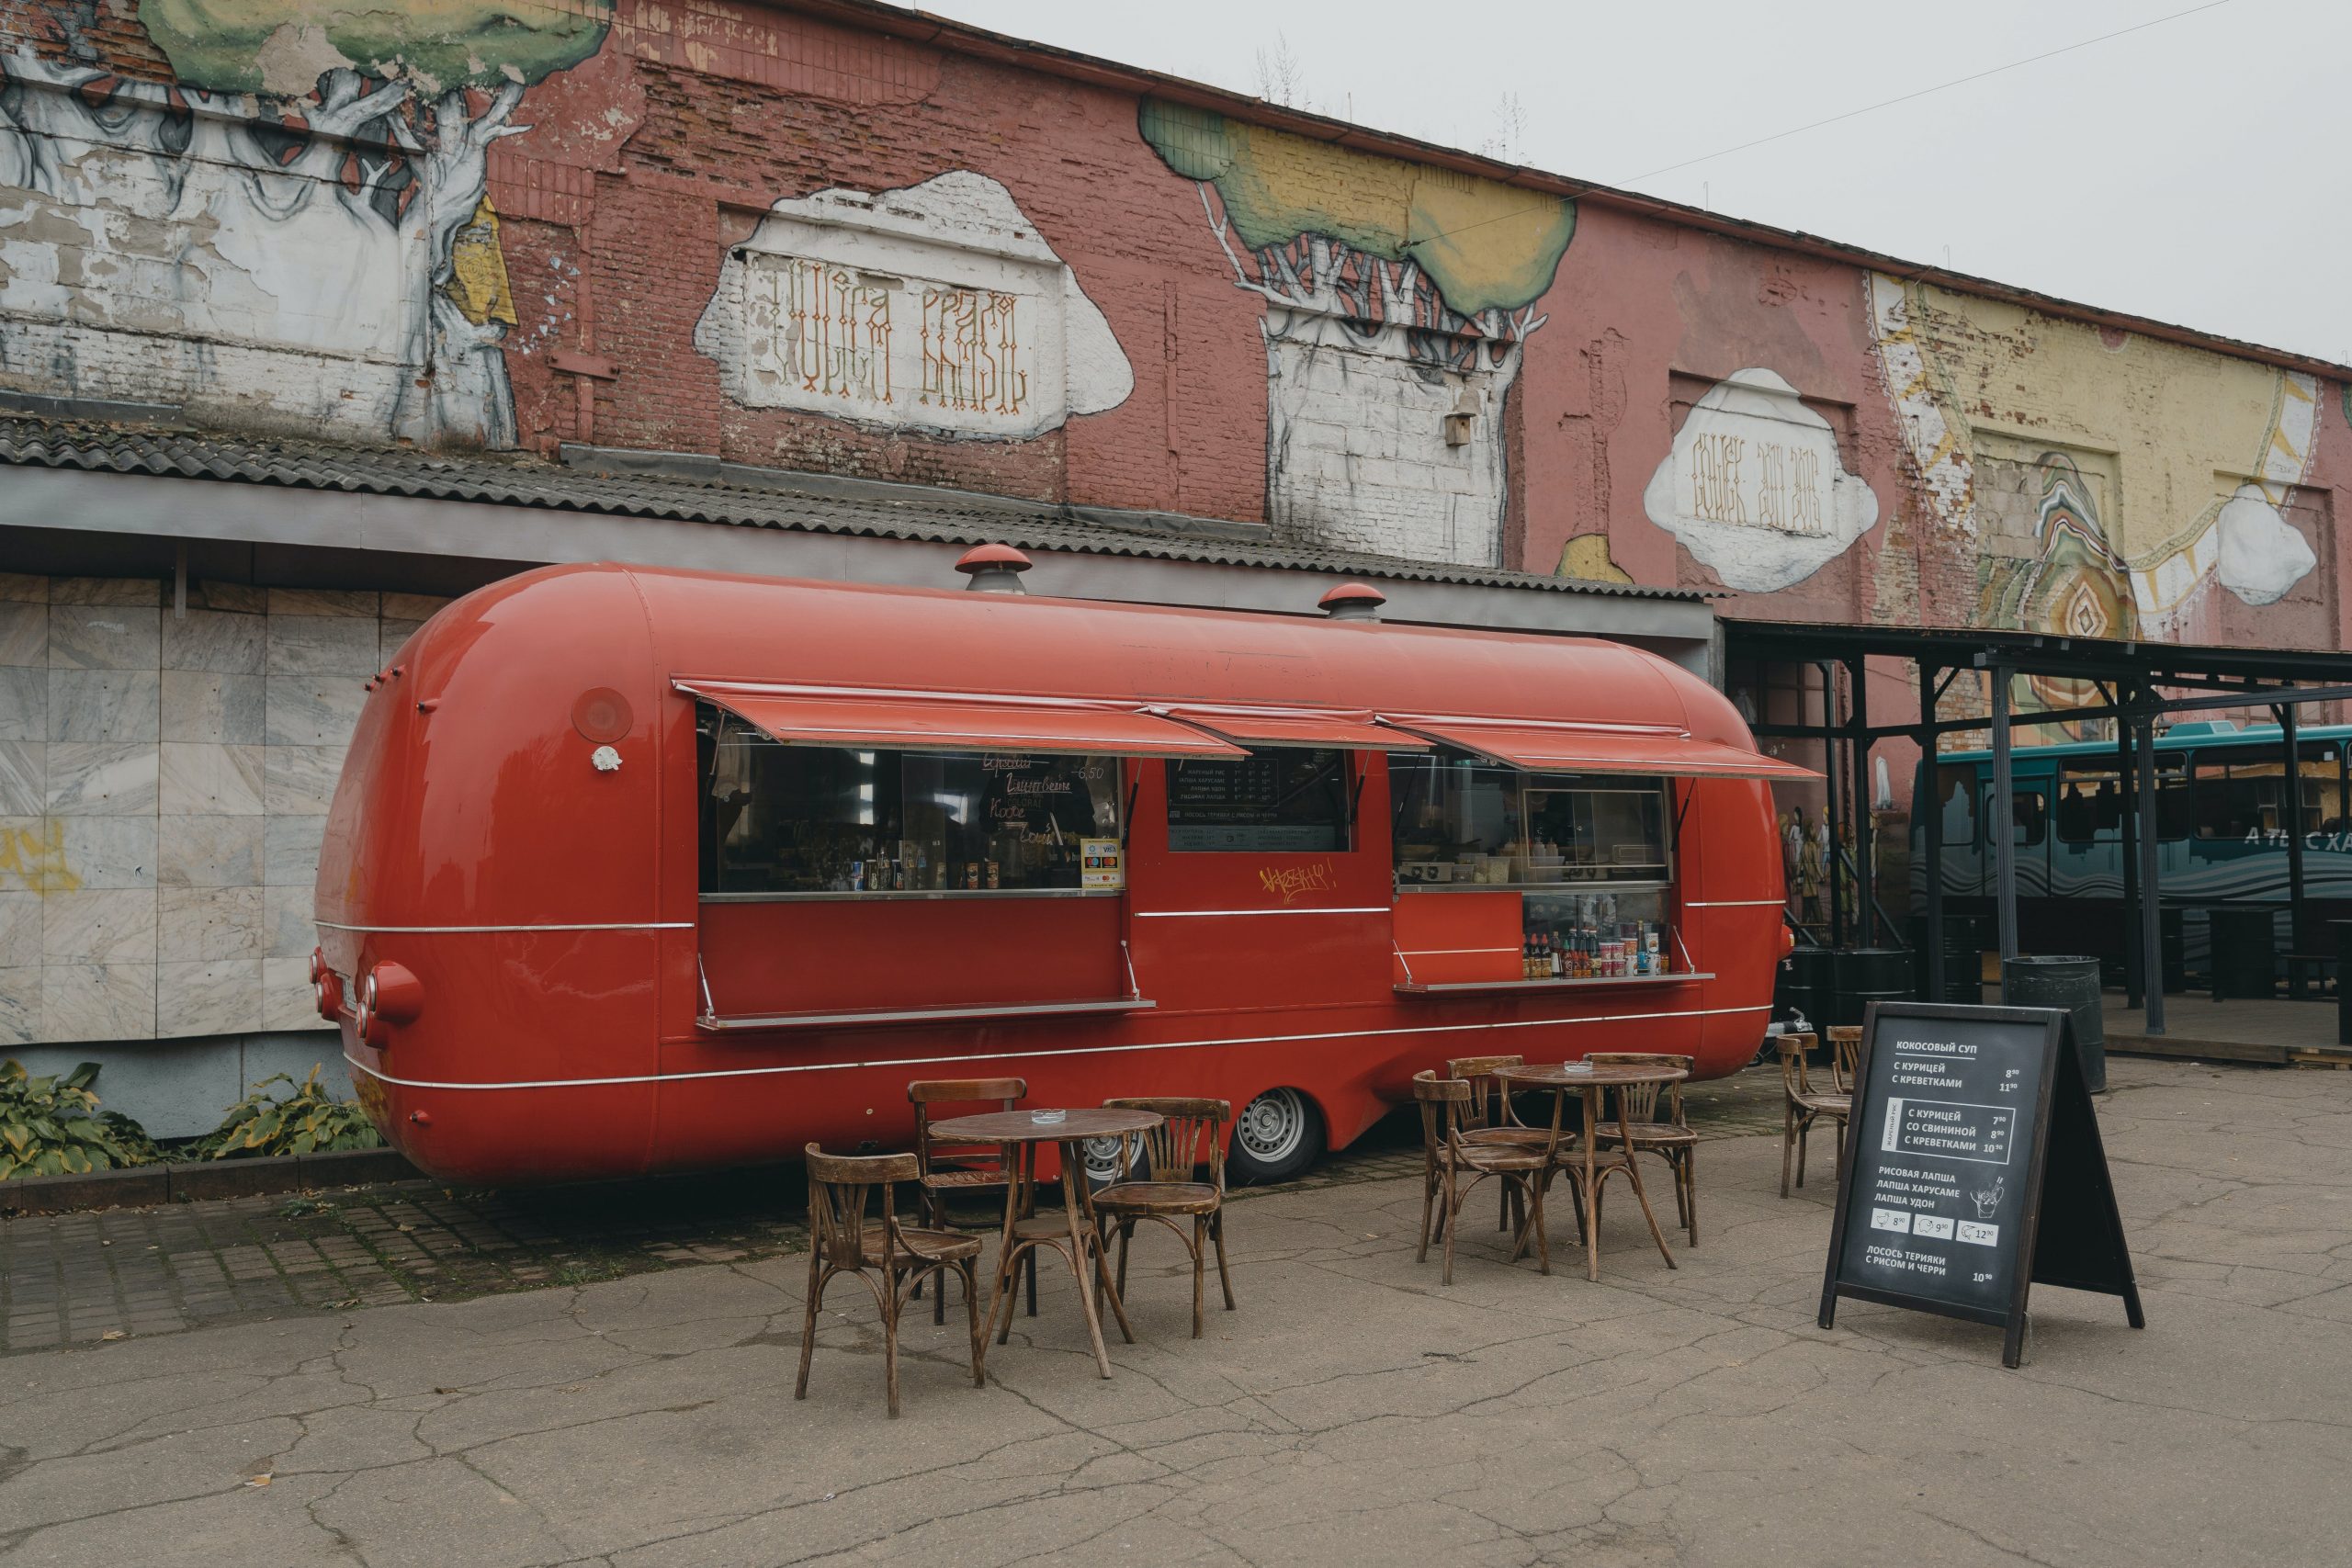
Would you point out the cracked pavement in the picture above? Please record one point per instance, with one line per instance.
(1350, 1412)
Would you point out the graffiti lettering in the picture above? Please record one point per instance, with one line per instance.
(1290, 881)
(1714, 478)
(971, 351)
(825, 328)
(32, 860)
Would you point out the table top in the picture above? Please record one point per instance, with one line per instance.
(1020, 1127)
(1579, 1075)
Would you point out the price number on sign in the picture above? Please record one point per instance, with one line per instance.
(2010, 1081)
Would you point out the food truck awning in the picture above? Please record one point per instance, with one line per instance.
(1571, 748)
(1287, 727)
(951, 721)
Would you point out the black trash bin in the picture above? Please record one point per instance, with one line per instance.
(2343, 929)
(1802, 986)
(2066, 981)
(1964, 950)
(2245, 961)
(2172, 926)
(1867, 974)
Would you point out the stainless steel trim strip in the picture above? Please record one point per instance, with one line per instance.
(1734, 903)
(717, 1025)
(443, 931)
(1316, 909)
(1036, 1055)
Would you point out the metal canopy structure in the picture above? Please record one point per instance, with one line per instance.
(2137, 683)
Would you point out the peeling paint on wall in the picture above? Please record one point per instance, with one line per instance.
(1755, 487)
(1398, 302)
(937, 307)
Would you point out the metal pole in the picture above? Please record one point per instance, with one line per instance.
(1928, 802)
(2127, 782)
(2152, 957)
(1865, 894)
(2004, 818)
(2294, 825)
(1829, 780)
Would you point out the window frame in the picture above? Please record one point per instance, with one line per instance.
(1660, 788)
(1348, 801)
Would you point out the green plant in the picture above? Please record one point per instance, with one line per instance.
(306, 1120)
(52, 1126)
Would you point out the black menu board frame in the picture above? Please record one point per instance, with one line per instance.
(2064, 1232)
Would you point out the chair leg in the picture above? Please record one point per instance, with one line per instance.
(1032, 1282)
(1200, 1261)
(1682, 1198)
(1127, 1234)
(1428, 1207)
(1542, 1244)
(1224, 1277)
(889, 1297)
(1452, 1213)
(1690, 1191)
(1009, 1290)
(1788, 1142)
(808, 1321)
(1805, 1132)
(970, 1271)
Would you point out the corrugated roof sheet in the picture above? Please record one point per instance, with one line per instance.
(808, 502)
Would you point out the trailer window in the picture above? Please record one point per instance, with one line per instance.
(801, 820)
(2090, 803)
(1956, 788)
(2029, 815)
(1281, 799)
(1461, 820)
(2243, 793)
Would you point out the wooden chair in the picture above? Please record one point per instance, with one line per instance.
(1802, 1104)
(1492, 1119)
(1669, 1139)
(1191, 1135)
(946, 1169)
(1845, 1056)
(890, 1259)
(1448, 1155)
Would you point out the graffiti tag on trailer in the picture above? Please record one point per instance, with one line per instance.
(1289, 883)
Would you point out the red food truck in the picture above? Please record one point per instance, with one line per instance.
(633, 869)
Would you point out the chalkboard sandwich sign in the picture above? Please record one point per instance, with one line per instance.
(1973, 1168)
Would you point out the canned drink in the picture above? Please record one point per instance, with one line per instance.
(993, 874)
(971, 873)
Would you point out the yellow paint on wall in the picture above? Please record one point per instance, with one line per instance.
(32, 860)
(478, 280)
(1586, 557)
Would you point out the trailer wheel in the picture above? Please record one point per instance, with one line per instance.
(1276, 1136)
(1103, 1162)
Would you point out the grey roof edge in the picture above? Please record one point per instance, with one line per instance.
(779, 499)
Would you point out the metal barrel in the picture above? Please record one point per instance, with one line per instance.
(1865, 975)
(1802, 985)
(2244, 947)
(1964, 957)
(2072, 983)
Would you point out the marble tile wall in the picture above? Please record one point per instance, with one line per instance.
(164, 779)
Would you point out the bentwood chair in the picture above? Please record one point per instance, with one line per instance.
(1492, 1119)
(1191, 1135)
(889, 1259)
(1845, 1056)
(945, 1169)
(1448, 1156)
(1653, 1124)
(1802, 1105)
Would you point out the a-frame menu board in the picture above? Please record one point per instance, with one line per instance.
(1973, 1168)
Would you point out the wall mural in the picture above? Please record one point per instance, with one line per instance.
(296, 232)
(1755, 487)
(1397, 297)
(2210, 446)
(936, 308)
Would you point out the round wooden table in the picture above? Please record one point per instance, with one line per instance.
(1588, 1080)
(1021, 1134)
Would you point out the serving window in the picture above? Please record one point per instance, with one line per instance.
(1460, 820)
(1278, 799)
(781, 820)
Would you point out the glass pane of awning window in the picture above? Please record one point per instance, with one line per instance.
(947, 722)
(1565, 749)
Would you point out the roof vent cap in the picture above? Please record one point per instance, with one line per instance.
(993, 569)
(1353, 601)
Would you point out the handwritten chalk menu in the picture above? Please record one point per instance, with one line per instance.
(1947, 1202)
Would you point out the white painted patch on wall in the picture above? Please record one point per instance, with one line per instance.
(2262, 555)
(934, 308)
(1754, 487)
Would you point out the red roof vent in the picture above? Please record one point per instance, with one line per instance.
(1353, 601)
(993, 569)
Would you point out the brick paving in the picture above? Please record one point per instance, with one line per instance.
(76, 1279)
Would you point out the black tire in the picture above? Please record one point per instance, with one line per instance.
(1103, 1161)
(1275, 1137)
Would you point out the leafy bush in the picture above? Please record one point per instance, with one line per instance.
(52, 1126)
(306, 1120)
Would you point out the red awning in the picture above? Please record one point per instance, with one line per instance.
(1296, 727)
(1568, 749)
(949, 722)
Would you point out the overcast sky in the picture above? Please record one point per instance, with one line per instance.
(2194, 172)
